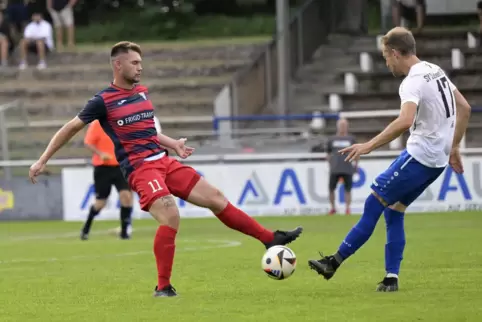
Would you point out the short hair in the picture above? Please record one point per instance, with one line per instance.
(479, 5)
(123, 47)
(401, 40)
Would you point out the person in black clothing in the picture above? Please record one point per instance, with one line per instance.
(5, 40)
(18, 15)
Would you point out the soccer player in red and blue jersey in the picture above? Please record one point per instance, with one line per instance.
(127, 115)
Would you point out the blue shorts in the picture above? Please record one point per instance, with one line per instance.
(405, 180)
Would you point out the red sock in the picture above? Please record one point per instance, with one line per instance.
(238, 220)
(164, 248)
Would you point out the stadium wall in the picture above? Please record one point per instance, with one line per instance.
(286, 188)
(21, 200)
(289, 188)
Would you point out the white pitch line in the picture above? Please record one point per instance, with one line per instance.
(47, 236)
(216, 244)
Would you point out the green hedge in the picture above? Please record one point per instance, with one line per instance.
(172, 28)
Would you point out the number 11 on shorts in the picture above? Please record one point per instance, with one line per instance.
(155, 186)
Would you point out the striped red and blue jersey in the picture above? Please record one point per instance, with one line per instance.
(127, 117)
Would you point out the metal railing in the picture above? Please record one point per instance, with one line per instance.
(255, 87)
(235, 158)
(4, 141)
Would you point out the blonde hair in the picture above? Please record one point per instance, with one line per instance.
(401, 40)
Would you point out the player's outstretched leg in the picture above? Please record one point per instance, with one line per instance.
(358, 235)
(93, 212)
(165, 211)
(205, 195)
(393, 249)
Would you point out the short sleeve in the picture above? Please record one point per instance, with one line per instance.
(94, 110)
(411, 90)
(157, 125)
(452, 86)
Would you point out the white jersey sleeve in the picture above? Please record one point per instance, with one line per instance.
(157, 124)
(452, 86)
(411, 90)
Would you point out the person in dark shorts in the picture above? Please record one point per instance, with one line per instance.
(5, 40)
(107, 173)
(18, 14)
(339, 168)
(412, 10)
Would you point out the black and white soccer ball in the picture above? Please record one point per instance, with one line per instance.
(279, 262)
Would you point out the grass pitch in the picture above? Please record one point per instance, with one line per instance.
(48, 274)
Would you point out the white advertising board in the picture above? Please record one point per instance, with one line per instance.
(285, 188)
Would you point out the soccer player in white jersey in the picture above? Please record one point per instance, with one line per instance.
(437, 115)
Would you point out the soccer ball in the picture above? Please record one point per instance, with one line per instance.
(279, 262)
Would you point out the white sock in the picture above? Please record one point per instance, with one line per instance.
(389, 275)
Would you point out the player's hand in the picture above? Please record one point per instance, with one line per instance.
(354, 152)
(105, 157)
(35, 170)
(455, 161)
(182, 150)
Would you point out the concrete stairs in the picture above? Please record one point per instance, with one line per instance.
(183, 81)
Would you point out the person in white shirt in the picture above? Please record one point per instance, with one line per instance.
(37, 38)
(412, 10)
(437, 115)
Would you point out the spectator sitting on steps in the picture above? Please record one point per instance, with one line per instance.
(17, 13)
(37, 39)
(5, 37)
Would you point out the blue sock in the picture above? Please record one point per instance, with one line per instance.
(395, 240)
(362, 230)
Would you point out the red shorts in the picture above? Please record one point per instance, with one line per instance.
(159, 178)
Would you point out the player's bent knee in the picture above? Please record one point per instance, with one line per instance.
(380, 198)
(99, 204)
(207, 196)
(125, 198)
(398, 206)
(165, 211)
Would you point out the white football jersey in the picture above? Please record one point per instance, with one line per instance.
(432, 132)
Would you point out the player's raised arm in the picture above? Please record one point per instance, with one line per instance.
(58, 140)
(462, 117)
(401, 124)
(410, 96)
(94, 109)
